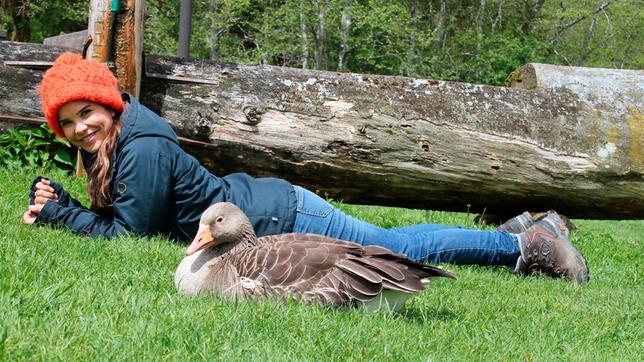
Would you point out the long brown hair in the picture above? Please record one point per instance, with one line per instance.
(99, 176)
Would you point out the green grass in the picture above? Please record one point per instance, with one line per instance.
(65, 297)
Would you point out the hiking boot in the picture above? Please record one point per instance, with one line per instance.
(517, 224)
(521, 223)
(545, 248)
(571, 227)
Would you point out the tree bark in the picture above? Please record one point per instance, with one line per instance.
(128, 40)
(401, 141)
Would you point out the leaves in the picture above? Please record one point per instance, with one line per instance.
(403, 37)
(63, 157)
(35, 148)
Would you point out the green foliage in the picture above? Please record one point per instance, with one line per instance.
(67, 297)
(387, 37)
(161, 27)
(35, 148)
(611, 38)
(404, 37)
(46, 18)
(64, 16)
(5, 17)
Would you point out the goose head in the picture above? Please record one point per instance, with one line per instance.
(222, 223)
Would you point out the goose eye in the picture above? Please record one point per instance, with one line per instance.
(220, 219)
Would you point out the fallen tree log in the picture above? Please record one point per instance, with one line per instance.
(398, 141)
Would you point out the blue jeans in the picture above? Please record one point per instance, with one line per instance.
(423, 242)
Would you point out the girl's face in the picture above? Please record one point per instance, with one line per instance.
(86, 124)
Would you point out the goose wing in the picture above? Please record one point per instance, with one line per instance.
(324, 270)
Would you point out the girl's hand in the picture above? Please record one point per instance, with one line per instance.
(30, 215)
(44, 192)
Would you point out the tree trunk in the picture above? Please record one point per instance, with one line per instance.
(320, 33)
(19, 10)
(215, 32)
(479, 27)
(479, 36)
(499, 16)
(304, 38)
(430, 14)
(587, 38)
(401, 141)
(439, 30)
(530, 14)
(408, 64)
(345, 28)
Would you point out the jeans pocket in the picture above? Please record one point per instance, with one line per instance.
(311, 204)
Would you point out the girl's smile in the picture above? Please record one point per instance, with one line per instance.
(88, 139)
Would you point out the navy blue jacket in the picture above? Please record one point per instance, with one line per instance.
(158, 188)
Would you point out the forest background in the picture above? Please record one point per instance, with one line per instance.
(474, 41)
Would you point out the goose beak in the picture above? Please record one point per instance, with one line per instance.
(201, 240)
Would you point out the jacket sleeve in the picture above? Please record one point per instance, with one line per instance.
(64, 198)
(141, 193)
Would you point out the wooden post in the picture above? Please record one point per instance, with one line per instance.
(96, 28)
(128, 39)
(128, 45)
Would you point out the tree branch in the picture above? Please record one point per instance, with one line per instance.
(561, 28)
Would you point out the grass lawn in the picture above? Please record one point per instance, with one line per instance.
(65, 297)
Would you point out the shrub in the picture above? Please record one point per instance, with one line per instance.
(35, 148)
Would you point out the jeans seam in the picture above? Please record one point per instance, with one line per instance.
(498, 251)
(299, 194)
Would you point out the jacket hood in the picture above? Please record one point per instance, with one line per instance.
(137, 121)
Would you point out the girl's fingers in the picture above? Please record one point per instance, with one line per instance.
(42, 200)
(44, 187)
(28, 217)
(35, 209)
(46, 194)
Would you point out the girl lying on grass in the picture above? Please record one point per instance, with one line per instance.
(141, 182)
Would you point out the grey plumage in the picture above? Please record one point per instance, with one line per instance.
(234, 263)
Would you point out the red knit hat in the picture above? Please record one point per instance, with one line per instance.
(73, 78)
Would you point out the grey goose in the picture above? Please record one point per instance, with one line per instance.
(227, 259)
